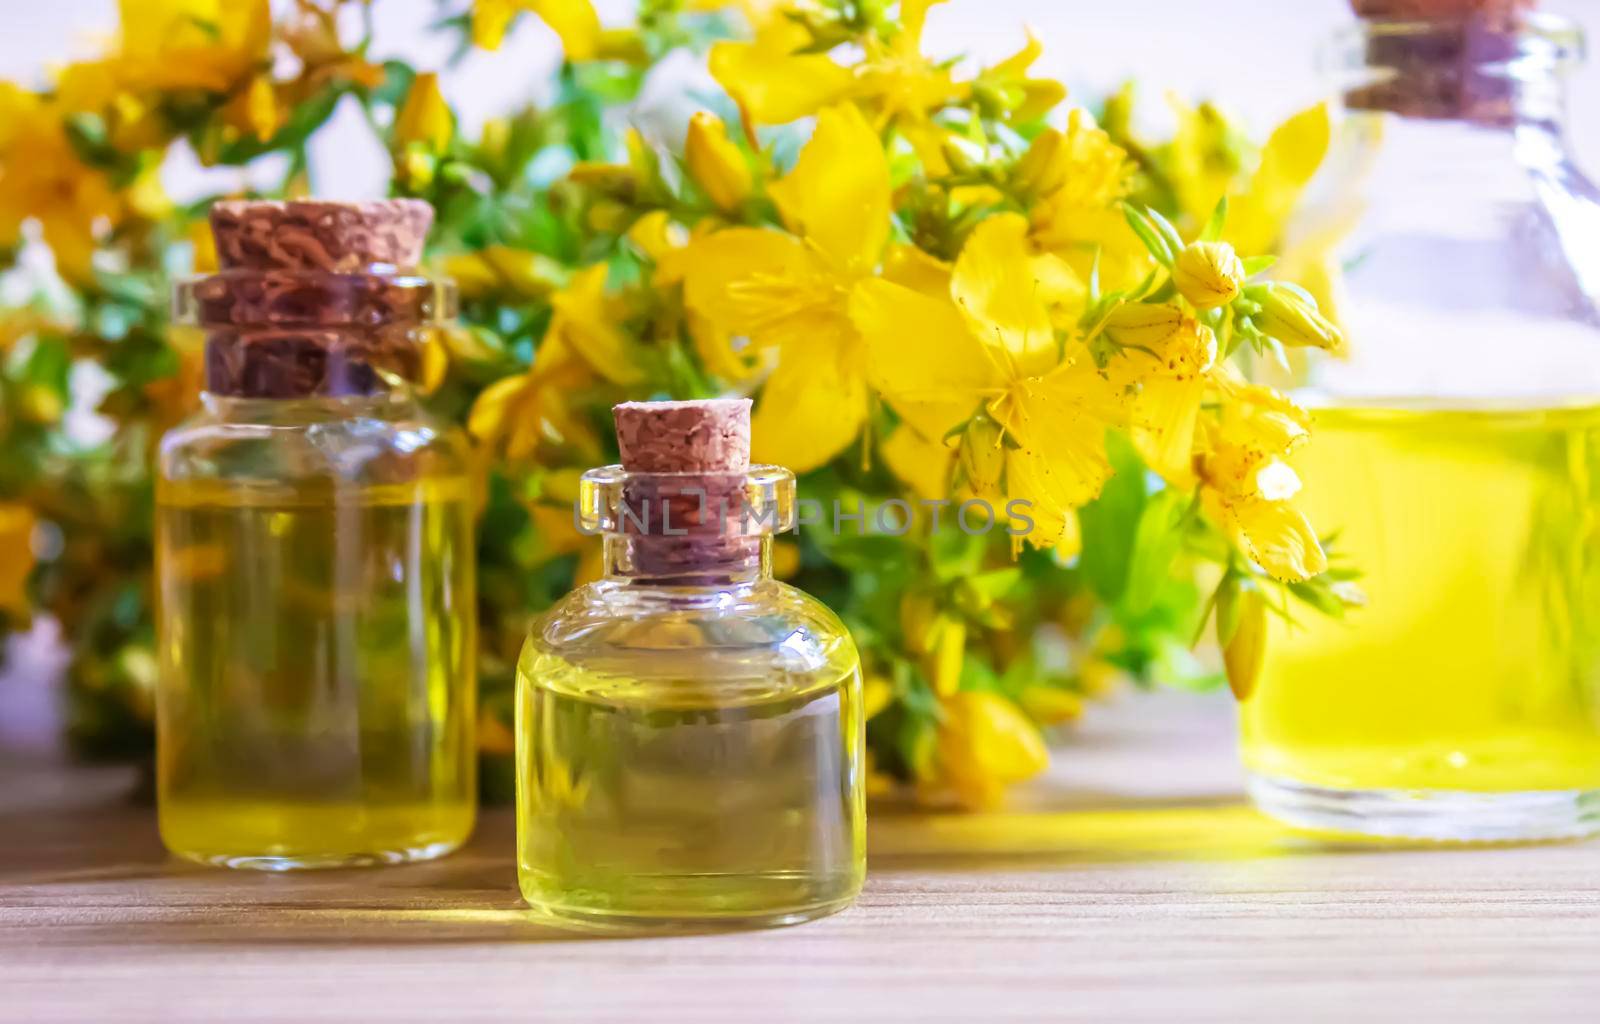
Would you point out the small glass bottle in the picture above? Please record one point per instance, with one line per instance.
(689, 730)
(1455, 455)
(314, 554)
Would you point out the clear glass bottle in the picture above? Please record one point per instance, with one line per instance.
(689, 730)
(315, 557)
(1455, 455)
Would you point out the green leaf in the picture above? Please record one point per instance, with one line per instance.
(1254, 265)
(1110, 522)
(1156, 543)
(1212, 232)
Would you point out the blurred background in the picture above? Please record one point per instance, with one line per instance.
(1258, 59)
(1181, 45)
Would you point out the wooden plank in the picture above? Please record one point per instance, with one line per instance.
(1131, 885)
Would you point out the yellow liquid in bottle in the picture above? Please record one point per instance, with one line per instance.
(1475, 667)
(317, 691)
(687, 797)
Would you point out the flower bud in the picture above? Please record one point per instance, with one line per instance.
(424, 118)
(1208, 274)
(1295, 322)
(715, 163)
(1145, 325)
(1245, 651)
(1042, 169)
(983, 455)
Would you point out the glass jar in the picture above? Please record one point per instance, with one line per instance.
(689, 730)
(315, 557)
(1455, 455)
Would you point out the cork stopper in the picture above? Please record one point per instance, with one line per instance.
(687, 466)
(1437, 9)
(1442, 59)
(315, 299)
(306, 234)
(707, 436)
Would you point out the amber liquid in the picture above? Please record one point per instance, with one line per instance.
(1475, 667)
(671, 791)
(317, 693)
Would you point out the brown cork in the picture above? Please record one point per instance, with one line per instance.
(1442, 59)
(1432, 9)
(687, 463)
(707, 436)
(309, 234)
(313, 298)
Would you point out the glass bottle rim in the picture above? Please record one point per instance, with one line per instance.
(767, 493)
(1545, 43)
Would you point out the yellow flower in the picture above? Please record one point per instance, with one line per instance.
(583, 341)
(1073, 181)
(776, 78)
(1248, 487)
(41, 178)
(1208, 274)
(1294, 321)
(715, 163)
(573, 21)
(991, 346)
(16, 533)
(986, 744)
(1022, 98)
(424, 118)
(1292, 154)
(584, 321)
(772, 80)
(501, 269)
(789, 291)
(209, 45)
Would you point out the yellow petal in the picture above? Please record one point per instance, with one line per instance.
(497, 405)
(1276, 536)
(715, 163)
(582, 319)
(922, 356)
(986, 744)
(16, 539)
(837, 196)
(715, 262)
(490, 19)
(424, 118)
(770, 81)
(910, 266)
(1290, 157)
(1006, 291)
(1165, 416)
(574, 21)
(921, 464)
(810, 409)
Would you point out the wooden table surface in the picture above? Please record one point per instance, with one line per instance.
(1132, 884)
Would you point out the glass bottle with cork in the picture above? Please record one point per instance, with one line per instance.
(689, 730)
(315, 556)
(1455, 454)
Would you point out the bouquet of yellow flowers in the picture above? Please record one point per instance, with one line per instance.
(950, 295)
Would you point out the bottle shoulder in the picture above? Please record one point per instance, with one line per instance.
(278, 442)
(763, 629)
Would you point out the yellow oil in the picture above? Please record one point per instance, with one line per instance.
(1475, 666)
(687, 797)
(317, 653)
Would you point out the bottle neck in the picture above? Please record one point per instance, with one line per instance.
(687, 561)
(1504, 72)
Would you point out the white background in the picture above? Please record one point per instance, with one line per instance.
(1256, 56)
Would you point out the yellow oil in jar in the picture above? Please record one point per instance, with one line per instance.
(1475, 667)
(688, 796)
(317, 696)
